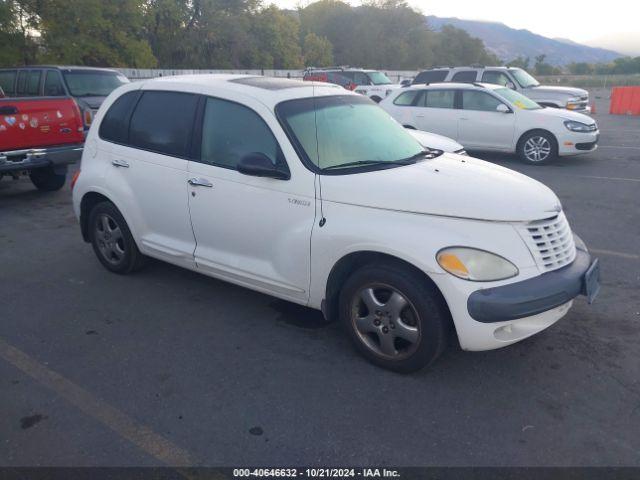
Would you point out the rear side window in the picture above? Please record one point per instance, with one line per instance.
(33, 83)
(21, 88)
(162, 122)
(8, 81)
(115, 124)
(432, 76)
(406, 99)
(465, 76)
(475, 100)
(53, 84)
(438, 99)
(230, 131)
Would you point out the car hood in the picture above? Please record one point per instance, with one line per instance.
(450, 185)
(565, 115)
(433, 140)
(574, 92)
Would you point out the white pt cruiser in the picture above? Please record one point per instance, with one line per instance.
(313, 194)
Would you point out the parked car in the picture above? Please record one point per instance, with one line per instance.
(39, 137)
(485, 117)
(372, 83)
(88, 86)
(313, 194)
(436, 142)
(517, 79)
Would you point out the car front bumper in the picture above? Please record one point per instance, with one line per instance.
(502, 314)
(575, 143)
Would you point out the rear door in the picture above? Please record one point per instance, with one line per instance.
(481, 126)
(148, 154)
(8, 82)
(435, 111)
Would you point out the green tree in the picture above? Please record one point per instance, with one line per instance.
(18, 22)
(317, 51)
(276, 38)
(520, 62)
(95, 33)
(456, 47)
(580, 68)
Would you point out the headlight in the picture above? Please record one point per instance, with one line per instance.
(477, 265)
(578, 126)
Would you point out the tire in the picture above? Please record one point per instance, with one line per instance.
(409, 327)
(538, 147)
(47, 180)
(112, 241)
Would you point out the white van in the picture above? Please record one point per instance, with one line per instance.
(315, 195)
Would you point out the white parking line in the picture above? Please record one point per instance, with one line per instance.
(618, 146)
(630, 256)
(621, 179)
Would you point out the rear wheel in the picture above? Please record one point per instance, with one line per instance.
(112, 241)
(394, 317)
(538, 147)
(47, 179)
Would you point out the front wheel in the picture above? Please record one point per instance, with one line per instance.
(394, 317)
(537, 148)
(47, 179)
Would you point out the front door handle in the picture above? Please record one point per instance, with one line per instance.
(199, 182)
(120, 163)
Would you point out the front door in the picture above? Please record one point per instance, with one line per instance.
(435, 112)
(252, 231)
(481, 126)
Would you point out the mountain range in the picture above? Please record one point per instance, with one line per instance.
(508, 43)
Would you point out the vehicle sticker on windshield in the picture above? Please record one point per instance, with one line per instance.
(11, 121)
(519, 104)
(25, 117)
(58, 114)
(33, 122)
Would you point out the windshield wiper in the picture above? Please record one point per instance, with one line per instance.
(404, 161)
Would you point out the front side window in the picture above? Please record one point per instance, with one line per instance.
(523, 78)
(476, 100)
(361, 78)
(438, 99)
(53, 84)
(90, 83)
(379, 78)
(115, 124)
(406, 99)
(345, 132)
(7, 82)
(465, 76)
(230, 131)
(517, 99)
(29, 83)
(162, 122)
(495, 77)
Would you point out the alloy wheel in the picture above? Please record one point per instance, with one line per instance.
(385, 321)
(109, 239)
(537, 149)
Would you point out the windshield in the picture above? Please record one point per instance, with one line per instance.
(352, 132)
(524, 79)
(379, 78)
(517, 99)
(88, 83)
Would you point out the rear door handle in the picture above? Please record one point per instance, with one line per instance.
(199, 182)
(120, 163)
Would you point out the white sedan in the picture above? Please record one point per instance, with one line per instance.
(486, 117)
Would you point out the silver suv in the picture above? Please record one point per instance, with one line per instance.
(571, 98)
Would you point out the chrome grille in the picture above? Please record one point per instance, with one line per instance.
(550, 242)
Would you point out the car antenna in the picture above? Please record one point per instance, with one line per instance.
(323, 220)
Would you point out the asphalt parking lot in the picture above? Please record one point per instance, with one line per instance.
(171, 367)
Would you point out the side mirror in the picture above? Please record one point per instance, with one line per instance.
(511, 85)
(257, 164)
(405, 83)
(502, 108)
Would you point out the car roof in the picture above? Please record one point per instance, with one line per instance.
(441, 85)
(62, 67)
(267, 90)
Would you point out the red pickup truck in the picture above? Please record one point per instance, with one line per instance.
(39, 137)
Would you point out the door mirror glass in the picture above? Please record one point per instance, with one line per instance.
(502, 108)
(258, 164)
(511, 85)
